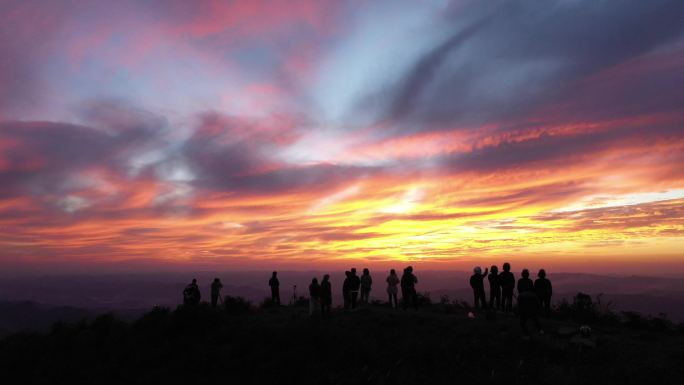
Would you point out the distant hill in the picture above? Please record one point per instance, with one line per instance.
(437, 344)
(139, 291)
(32, 317)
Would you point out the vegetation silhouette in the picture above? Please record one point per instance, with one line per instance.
(241, 343)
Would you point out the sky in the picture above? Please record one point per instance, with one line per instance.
(316, 134)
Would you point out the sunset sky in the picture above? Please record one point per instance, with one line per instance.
(310, 134)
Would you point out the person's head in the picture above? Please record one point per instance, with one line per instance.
(507, 266)
(275, 273)
(409, 269)
(326, 277)
(393, 272)
(217, 280)
(347, 273)
(194, 281)
(477, 270)
(525, 273)
(366, 271)
(542, 273)
(494, 269)
(353, 271)
(314, 280)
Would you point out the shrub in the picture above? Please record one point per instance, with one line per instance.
(424, 299)
(236, 305)
(268, 303)
(300, 302)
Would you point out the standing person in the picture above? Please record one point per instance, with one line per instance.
(366, 283)
(507, 283)
(392, 282)
(216, 287)
(346, 287)
(494, 288)
(191, 294)
(314, 297)
(275, 288)
(525, 283)
(544, 291)
(477, 283)
(528, 303)
(408, 288)
(354, 285)
(326, 295)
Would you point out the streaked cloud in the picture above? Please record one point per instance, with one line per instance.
(320, 132)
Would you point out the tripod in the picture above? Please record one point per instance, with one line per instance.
(293, 300)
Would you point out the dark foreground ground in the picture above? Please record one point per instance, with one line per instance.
(438, 344)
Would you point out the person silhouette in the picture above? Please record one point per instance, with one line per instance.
(366, 283)
(528, 303)
(477, 284)
(346, 288)
(525, 283)
(191, 294)
(216, 287)
(326, 295)
(392, 282)
(408, 288)
(354, 285)
(314, 297)
(494, 288)
(507, 283)
(274, 283)
(542, 286)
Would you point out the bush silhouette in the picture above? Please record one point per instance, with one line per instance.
(236, 305)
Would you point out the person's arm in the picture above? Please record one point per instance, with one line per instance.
(550, 289)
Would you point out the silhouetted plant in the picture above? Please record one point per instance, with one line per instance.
(301, 302)
(424, 299)
(236, 305)
(268, 303)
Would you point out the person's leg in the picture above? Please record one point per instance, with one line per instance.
(354, 297)
(537, 324)
(523, 322)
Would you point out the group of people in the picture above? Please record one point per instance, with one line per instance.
(192, 294)
(531, 295)
(356, 290)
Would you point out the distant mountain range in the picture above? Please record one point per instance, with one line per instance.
(35, 302)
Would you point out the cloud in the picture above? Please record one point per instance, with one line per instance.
(507, 63)
(317, 131)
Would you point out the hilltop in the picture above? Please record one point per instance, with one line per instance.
(439, 344)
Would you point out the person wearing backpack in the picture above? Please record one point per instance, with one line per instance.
(191, 294)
